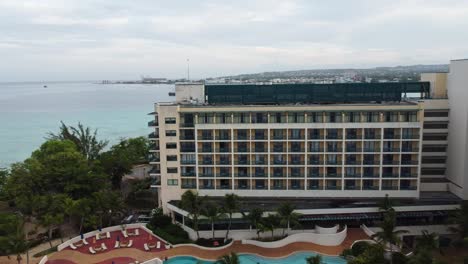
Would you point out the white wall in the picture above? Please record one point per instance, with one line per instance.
(190, 91)
(458, 120)
(319, 239)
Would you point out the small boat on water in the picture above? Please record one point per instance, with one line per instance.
(45, 86)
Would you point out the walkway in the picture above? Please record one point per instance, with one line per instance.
(107, 257)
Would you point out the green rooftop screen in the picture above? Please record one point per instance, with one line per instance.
(313, 93)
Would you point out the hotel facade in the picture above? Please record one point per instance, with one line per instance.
(331, 149)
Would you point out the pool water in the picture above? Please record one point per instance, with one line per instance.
(298, 258)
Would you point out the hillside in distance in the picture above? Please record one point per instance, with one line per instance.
(397, 73)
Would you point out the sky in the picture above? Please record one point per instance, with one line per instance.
(124, 39)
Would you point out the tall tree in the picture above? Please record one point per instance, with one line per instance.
(388, 236)
(120, 159)
(193, 204)
(427, 241)
(270, 223)
(213, 212)
(83, 137)
(232, 258)
(288, 216)
(254, 217)
(231, 205)
(460, 219)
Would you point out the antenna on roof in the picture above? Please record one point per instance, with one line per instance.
(188, 69)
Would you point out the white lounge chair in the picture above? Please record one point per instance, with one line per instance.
(130, 243)
(103, 246)
(158, 245)
(108, 234)
(137, 232)
(146, 247)
(117, 244)
(97, 236)
(72, 246)
(124, 233)
(91, 250)
(84, 241)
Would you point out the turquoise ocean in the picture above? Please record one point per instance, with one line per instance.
(28, 111)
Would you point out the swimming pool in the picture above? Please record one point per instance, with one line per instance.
(298, 258)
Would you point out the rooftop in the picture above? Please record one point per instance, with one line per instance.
(313, 93)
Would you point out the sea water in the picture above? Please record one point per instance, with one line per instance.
(28, 111)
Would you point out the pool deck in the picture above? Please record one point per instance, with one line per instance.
(69, 256)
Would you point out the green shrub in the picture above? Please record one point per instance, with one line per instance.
(399, 258)
(173, 234)
(359, 247)
(346, 252)
(160, 221)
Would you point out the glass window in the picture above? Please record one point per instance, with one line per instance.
(171, 145)
(170, 120)
(171, 157)
(172, 182)
(171, 133)
(172, 170)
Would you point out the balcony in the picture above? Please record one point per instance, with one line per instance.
(279, 162)
(153, 146)
(242, 174)
(333, 162)
(259, 174)
(352, 175)
(153, 135)
(391, 149)
(370, 187)
(260, 136)
(389, 175)
(409, 175)
(296, 162)
(297, 174)
(389, 187)
(153, 123)
(206, 174)
(154, 159)
(333, 136)
(315, 161)
(155, 170)
(189, 186)
(242, 149)
(155, 182)
(224, 150)
(390, 162)
(408, 188)
(187, 137)
(260, 149)
(209, 187)
(353, 150)
(260, 162)
(243, 162)
(279, 187)
(409, 162)
(296, 137)
(188, 162)
(370, 175)
(223, 137)
(187, 149)
(314, 149)
(315, 175)
(207, 150)
(333, 187)
(279, 174)
(188, 173)
(333, 149)
(296, 187)
(224, 161)
(352, 162)
(314, 187)
(352, 187)
(371, 162)
(333, 175)
(371, 150)
(410, 136)
(207, 162)
(315, 136)
(242, 137)
(278, 149)
(224, 174)
(186, 124)
(296, 149)
(279, 137)
(410, 149)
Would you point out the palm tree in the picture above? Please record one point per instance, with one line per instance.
(231, 205)
(386, 204)
(193, 204)
(270, 223)
(254, 217)
(388, 236)
(232, 258)
(460, 219)
(427, 241)
(213, 213)
(85, 140)
(317, 259)
(287, 215)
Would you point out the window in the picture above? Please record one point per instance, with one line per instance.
(172, 170)
(170, 120)
(172, 182)
(171, 145)
(171, 133)
(171, 157)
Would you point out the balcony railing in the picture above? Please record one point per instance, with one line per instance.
(370, 187)
(154, 159)
(278, 149)
(224, 162)
(206, 150)
(279, 162)
(314, 175)
(154, 170)
(206, 174)
(389, 187)
(389, 175)
(409, 162)
(386, 149)
(409, 175)
(371, 162)
(189, 186)
(243, 162)
(390, 162)
(296, 162)
(408, 188)
(188, 161)
(185, 149)
(153, 123)
(153, 135)
(188, 173)
(207, 162)
(370, 175)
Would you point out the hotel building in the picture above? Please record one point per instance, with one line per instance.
(331, 149)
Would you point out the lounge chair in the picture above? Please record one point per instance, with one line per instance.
(158, 245)
(137, 232)
(130, 243)
(97, 236)
(103, 246)
(124, 233)
(146, 247)
(117, 244)
(108, 234)
(72, 246)
(84, 241)
(91, 250)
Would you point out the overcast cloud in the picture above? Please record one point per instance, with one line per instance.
(123, 39)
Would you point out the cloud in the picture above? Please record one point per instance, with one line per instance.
(97, 39)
